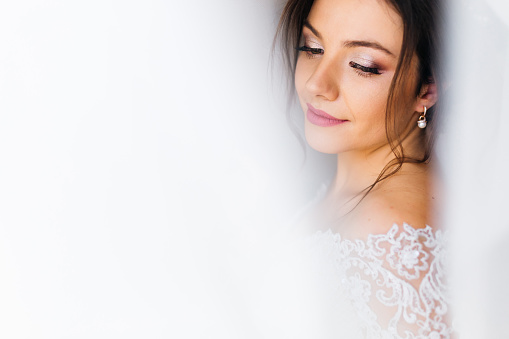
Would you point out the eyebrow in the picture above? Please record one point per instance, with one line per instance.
(370, 44)
(352, 43)
(312, 29)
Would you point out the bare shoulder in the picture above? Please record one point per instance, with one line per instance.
(397, 202)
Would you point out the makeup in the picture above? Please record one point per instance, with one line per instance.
(320, 118)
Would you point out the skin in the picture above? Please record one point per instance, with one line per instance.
(351, 83)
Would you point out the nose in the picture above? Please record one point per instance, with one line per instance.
(324, 81)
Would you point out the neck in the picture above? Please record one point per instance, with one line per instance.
(357, 170)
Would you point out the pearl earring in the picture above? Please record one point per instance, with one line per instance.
(421, 122)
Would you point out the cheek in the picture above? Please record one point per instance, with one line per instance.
(368, 99)
(301, 77)
(298, 80)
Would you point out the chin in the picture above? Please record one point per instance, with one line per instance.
(322, 143)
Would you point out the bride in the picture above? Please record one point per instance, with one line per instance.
(367, 77)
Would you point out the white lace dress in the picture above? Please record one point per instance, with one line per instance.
(389, 286)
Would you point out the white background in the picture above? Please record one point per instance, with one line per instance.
(475, 155)
(142, 150)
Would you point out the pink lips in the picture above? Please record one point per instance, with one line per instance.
(320, 118)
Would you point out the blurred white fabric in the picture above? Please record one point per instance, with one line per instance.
(475, 163)
(141, 155)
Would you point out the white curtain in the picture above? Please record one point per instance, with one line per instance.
(141, 152)
(475, 161)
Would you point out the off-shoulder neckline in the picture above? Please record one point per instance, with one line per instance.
(393, 231)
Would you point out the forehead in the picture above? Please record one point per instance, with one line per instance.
(368, 20)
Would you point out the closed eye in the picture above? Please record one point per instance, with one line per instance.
(364, 70)
(311, 52)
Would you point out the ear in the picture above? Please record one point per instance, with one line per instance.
(427, 97)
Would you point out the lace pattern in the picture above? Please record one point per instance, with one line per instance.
(394, 281)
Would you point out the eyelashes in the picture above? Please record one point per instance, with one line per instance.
(310, 52)
(361, 70)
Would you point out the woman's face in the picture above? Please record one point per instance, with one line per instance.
(349, 53)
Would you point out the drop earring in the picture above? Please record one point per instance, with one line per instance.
(421, 122)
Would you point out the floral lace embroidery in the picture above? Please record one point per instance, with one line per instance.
(399, 274)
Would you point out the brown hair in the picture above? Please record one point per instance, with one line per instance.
(421, 36)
